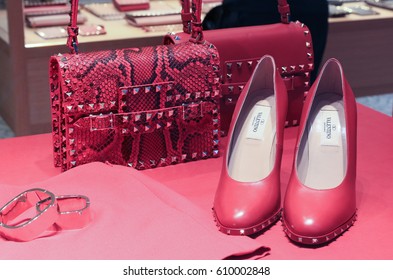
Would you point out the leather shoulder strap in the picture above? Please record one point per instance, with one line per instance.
(72, 29)
(187, 15)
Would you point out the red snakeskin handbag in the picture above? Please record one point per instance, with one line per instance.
(141, 107)
(240, 48)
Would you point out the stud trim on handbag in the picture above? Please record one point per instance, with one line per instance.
(139, 107)
(240, 49)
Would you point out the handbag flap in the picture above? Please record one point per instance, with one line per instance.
(289, 44)
(91, 82)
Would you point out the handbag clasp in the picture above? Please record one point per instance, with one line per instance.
(192, 111)
(101, 122)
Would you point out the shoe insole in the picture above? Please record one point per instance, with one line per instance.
(326, 147)
(253, 153)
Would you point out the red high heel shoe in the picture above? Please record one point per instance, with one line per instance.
(320, 201)
(248, 199)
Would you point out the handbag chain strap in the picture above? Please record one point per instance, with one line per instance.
(187, 16)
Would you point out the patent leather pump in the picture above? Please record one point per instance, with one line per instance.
(320, 201)
(248, 198)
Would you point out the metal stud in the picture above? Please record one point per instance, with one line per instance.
(309, 55)
(249, 63)
(158, 88)
(292, 68)
(170, 113)
(125, 119)
(308, 44)
(102, 105)
(301, 66)
(69, 108)
(152, 162)
(80, 107)
(229, 66)
(147, 89)
(194, 155)
(315, 240)
(284, 69)
(72, 141)
(159, 115)
(239, 64)
(137, 117)
(158, 126)
(70, 130)
(147, 127)
(306, 32)
(216, 153)
(68, 93)
(168, 124)
(240, 88)
(183, 157)
(130, 164)
(136, 90)
(73, 163)
(204, 154)
(124, 91)
(188, 95)
(300, 239)
(149, 116)
(136, 129)
(173, 159)
(242, 231)
(91, 105)
(230, 88)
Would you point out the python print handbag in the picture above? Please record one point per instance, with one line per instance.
(140, 107)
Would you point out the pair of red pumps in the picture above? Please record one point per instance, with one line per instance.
(320, 200)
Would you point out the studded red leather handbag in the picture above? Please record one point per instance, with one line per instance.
(240, 48)
(141, 107)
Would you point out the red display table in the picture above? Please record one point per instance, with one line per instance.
(24, 161)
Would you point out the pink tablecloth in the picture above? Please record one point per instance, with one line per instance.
(191, 186)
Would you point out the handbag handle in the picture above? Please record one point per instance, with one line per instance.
(188, 17)
(195, 24)
(72, 28)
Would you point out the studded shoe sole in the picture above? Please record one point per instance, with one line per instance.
(319, 240)
(247, 231)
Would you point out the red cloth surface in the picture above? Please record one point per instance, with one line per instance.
(134, 217)
(188, 190)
